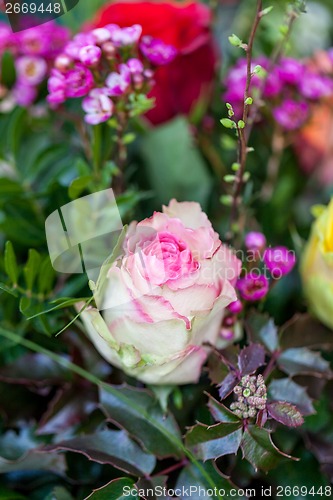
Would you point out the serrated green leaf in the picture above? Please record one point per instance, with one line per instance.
(11, 267)
(143, 418)
(220, 413)
(32, 268)
(214, 441)
(115, 490)
(259, 449)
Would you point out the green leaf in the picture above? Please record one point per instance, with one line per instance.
(118, 489)
(9, 290)
(8, 73)
(220, 413)
(241, 124)
(266, 11)
(78, 185)
(235, 40)
(140, 414)
(227, 123)
(164, 149)
(300, 360)
(46, 276)
(11, 267)
(285, 413)
(32, 268)
(211, 442)
(110, 447)
(192, 480)
(25, 305)
(259, 449)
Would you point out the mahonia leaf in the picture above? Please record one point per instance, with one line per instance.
(220, 413)
(300, 360)
(139, 412)
(251, 358)
(116, 489)
(261, 328)
(110, 447)
(299, 332)
(285, 389)
(285, 413)
(228, 384)
(214, 441)
(259, 449)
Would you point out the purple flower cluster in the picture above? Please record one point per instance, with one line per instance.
(287, 90)
(104, 66)
(33, 52)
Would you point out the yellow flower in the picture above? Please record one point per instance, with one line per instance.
(317, 266)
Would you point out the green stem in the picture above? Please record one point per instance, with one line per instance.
(78, 370)
(97, 150)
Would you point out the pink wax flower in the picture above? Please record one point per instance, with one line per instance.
(291, 71)
(279, 260)
(273, 84)
(46, 40)
(24, 94)
(79, 81)
(291, 114)
(80, 40)
(314, 86)
(30, 69)
(125, 36)
(98, 106)
(135, 66)
(156, 51)
(255, 241)
(101, 35)
(118, 83)
(90, 55)
(253, 287)
(7, 39)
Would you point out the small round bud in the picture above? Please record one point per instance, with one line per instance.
(235, 307)
(63, 62)
(109, 50)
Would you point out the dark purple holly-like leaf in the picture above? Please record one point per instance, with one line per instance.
(228, 384)
(300, 360)
(217, 370)
(110, 447)
(251, 358)
(285, 413)
(214, 441)
(259, 449)
(285, 389)
(220, 413)
(69, 407)
(305, 331)
(262, 329)
(34, 370)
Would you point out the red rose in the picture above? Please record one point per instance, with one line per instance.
(186, 26)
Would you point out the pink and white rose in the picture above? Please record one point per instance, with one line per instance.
(164, 300)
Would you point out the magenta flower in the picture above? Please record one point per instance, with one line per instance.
(291, 71)
(273, 84)
(156, 51)
(135, 66)
(255, 241)
(24, 94)
(118, 83)
(235, 307)
(98, 106)
(279, 260)
(125, 36)
(80, 40)
(90, 55)
(57, 88)
(315, 86)
(7, 39)
(253, 287)
(101, 35)
(46, 40)
(30, 70)
(79, 81)
(291, 114)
